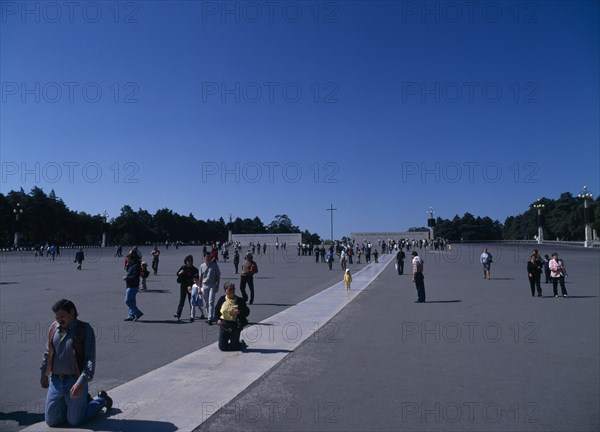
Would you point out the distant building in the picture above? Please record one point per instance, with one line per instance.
(269, 239)
(373, 237)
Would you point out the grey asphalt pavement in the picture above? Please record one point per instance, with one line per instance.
(479, 355)
(125, 350)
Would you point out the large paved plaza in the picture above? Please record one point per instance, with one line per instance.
(480, 355)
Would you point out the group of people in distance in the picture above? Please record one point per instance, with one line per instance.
(553, 269)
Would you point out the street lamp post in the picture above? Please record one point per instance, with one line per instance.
(230, 231)
(18, 211)
(588, 216)
(430, 222)
(105, 218)
(540, 220)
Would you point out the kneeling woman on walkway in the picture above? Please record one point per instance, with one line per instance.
(230, 315)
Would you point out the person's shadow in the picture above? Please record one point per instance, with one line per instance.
(130, 425)
(443, 301)
(110, 423)
(23, 418)
(266, 350)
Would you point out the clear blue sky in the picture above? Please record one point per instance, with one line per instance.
(263, 108)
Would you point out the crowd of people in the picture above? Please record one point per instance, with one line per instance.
(69, 357)
(198, 285)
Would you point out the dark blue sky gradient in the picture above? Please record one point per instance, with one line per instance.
(376, 107)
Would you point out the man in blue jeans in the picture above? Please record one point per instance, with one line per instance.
(68, 365)
(132, 286)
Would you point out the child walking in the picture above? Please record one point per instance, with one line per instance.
(196, 302)
(347, 279)
(144, 273)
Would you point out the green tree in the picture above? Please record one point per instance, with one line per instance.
(282, 224)
(309, 238)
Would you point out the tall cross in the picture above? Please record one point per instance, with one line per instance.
(331, 209)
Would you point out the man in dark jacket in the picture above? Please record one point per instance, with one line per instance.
(400, 256)
(132, 286)
(79, 257)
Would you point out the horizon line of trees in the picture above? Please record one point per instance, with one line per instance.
(564, 220)
(47, 219)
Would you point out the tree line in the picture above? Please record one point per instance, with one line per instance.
(47, 219)
(563, 219)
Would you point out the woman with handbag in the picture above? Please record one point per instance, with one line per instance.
(558, 273)
(187, 275)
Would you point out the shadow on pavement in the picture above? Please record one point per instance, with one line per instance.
(444, 301)
(267, 351)
(135, 426)
(172, 321)
(273, 304)
(23, 418)
(129, 425)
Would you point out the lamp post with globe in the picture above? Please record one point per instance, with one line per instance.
(539, 205)
(104, 226)
(18, 211)
(430, 222)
